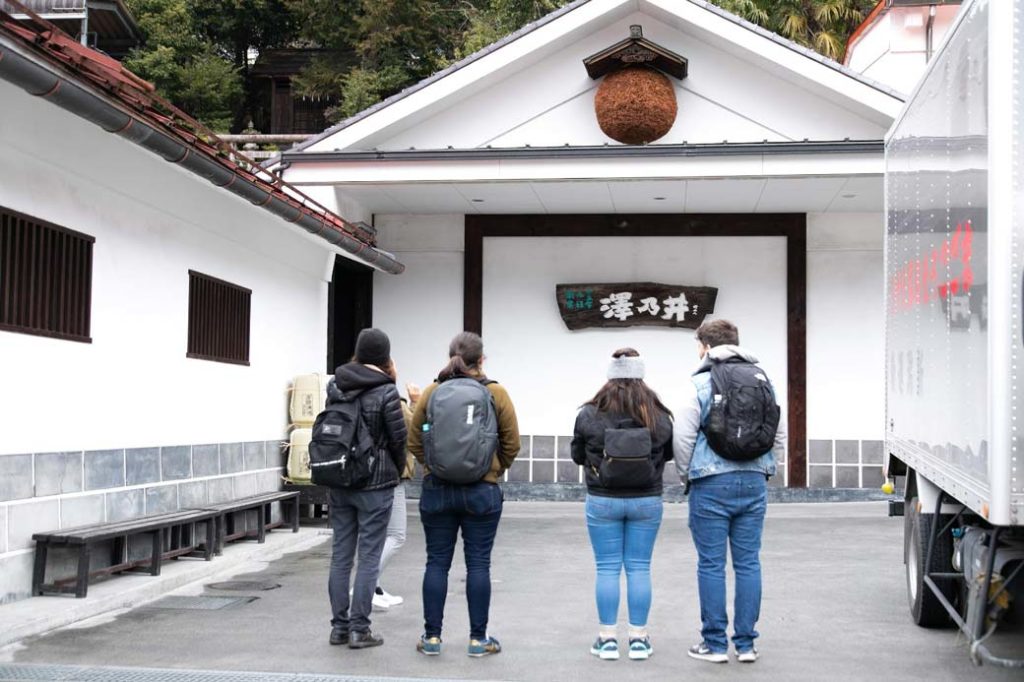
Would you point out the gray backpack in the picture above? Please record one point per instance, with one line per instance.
(460, 435)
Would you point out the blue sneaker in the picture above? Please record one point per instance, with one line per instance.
(605, 649)
(478, 648)
(640, 648)
(429, 646)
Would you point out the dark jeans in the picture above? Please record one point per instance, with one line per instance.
(359, 519)
(444, 510)
(727, 510)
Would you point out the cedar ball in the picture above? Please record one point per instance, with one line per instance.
(635, 105)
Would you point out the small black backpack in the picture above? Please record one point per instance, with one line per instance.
(626, 461)
(342, 452)
(744, 416)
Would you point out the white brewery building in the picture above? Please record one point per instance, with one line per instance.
(184, 293)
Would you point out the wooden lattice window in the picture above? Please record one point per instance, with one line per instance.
(45, 278)
(218, 319)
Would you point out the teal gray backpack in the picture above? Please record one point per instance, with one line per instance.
(460, 435)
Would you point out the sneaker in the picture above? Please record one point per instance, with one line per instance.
(380, 602)
(605, 649)
(429, 646)
(478, 648)
(364, 640)
(640, 649)
(702, 653)
(339, 636)
(748, 656)
(389, 599)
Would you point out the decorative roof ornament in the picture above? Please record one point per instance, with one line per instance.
(636, 51)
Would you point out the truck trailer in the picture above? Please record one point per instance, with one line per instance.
(954, 263)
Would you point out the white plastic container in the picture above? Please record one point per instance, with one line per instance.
(298, 455)
(309, 394)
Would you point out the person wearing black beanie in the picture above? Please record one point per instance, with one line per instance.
(360, 516)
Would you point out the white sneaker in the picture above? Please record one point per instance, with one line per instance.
(391, 599)
(747, 656)
(380, 603)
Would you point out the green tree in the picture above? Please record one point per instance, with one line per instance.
(197, 52)
(498, 18)
(822, 25)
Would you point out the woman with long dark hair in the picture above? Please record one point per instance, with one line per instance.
(465, 434)
(622, 439)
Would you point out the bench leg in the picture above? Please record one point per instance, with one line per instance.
(39, 570)
(211, 538)
(263, 518)
(222, 532)
(82, 582)
(158, 552)
(295, 514)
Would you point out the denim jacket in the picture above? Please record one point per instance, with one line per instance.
(694, 457)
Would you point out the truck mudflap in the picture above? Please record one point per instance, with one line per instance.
(989, 566)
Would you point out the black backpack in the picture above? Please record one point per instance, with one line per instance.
(342, 452)
(626, 463)
(744, 416)
(460, 435)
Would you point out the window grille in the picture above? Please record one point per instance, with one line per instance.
(45, 278)
(218, 320)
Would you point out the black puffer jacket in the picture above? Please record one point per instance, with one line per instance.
(588, 449)
(382, 411)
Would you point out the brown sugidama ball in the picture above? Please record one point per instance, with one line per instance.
(635, 105)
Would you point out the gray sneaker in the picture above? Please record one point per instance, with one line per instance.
(702, 653)
(748, 656)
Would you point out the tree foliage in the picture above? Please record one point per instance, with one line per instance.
(822, 25)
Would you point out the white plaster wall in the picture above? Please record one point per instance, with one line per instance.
(549, 370)
(133, 386)
(550, 102)
(845, 326)
(421, 309)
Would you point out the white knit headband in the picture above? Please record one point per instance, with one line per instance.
(626, 368)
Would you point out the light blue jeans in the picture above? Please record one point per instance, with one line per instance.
(622, 533)
(727, 511)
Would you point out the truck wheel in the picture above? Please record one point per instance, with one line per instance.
(925, 608)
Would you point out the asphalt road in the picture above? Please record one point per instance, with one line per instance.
(834, 608)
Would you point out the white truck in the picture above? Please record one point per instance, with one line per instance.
(954, 254)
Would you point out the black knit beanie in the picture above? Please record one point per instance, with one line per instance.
(373, 347)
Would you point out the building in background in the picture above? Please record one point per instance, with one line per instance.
(752, 166)
(898, 38)
(104, 25)
(157, 295)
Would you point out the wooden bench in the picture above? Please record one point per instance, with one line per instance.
(315, 497)
(225, 511)
(167, 530)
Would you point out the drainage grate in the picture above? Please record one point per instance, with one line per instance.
(244, 586)
(72, 673)
(199, 603)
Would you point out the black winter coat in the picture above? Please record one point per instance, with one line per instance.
(382, 412)
(588, 448)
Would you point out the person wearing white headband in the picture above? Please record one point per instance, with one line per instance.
(622, 439)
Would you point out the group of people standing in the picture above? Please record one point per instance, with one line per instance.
(623, 438)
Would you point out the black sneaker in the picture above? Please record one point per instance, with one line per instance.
(702, 653)
(339, 636)
(364, 640)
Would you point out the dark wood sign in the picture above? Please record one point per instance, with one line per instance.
(634, 304)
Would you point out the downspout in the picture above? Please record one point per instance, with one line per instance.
(41, 82)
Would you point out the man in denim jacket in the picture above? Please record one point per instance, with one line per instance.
(727, 502)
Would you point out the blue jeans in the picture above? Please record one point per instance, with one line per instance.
(444, 510)
(622, 533)
(728, 509)
(359, 519)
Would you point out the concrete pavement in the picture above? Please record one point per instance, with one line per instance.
(834, 607)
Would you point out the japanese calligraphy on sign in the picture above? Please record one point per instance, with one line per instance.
(634, 304)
